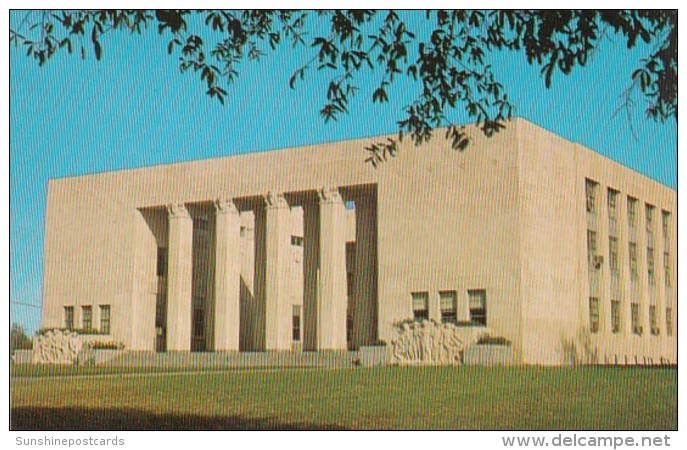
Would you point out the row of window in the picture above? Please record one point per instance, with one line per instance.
(448, 304)
(87, 318)
(595, 260)
(592, 193)
(636, 326)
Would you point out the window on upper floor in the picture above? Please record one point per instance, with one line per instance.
(200, 224)
(653, 321)
(633, 261)
(650, 266)
(591, 189)
(591, 250)
(632, 212)
(665, 222)
(649, 217)
(634, 315)
(649, 225)
(594, 314)
(615, 316)
(613, 256)
(612, 205)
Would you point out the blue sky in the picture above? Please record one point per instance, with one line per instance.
(134, 108)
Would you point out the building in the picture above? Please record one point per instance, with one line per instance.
(524, 235)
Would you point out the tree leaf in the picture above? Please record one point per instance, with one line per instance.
(98, 50)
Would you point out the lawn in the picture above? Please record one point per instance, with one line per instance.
(463, 398)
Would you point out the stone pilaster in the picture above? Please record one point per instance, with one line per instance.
(332, 298)
(179, 278)
(273, 239)
(227, 277)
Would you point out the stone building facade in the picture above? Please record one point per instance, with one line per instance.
(525, 235)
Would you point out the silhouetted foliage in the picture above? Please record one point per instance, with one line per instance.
(448, 62)
(18, 339)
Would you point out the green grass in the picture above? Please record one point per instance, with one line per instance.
(384, 398)
(50, 370)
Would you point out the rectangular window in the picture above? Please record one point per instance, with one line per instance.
(200, 223)
(591, 188)
(69, 317)
(650, 265)
(636, 327)
(666, 269)
(420, 306)
(161, 261)
(649, 217)
(633, 260)
(666, 225)
(649, 225)
(615, 316)
(632, 212)
(478, 306)
(591, 249)
(105, 319)
(612, 205)
(593, 314)
(652, 321)
(87, 317)
(669, 321)
(447, 301)
(296, 327)
(613, 256)
(297, 241)
(198, 322)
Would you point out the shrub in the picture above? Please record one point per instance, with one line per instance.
(399, 323)
(106, 345)
(18, 339)
(80, 331)
(486, 339)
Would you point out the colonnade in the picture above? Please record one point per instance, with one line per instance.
(325, 300)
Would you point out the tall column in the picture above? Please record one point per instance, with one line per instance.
(333, 299)
(227, 277)
(179, 278)
(271, 273)
(365, 288)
